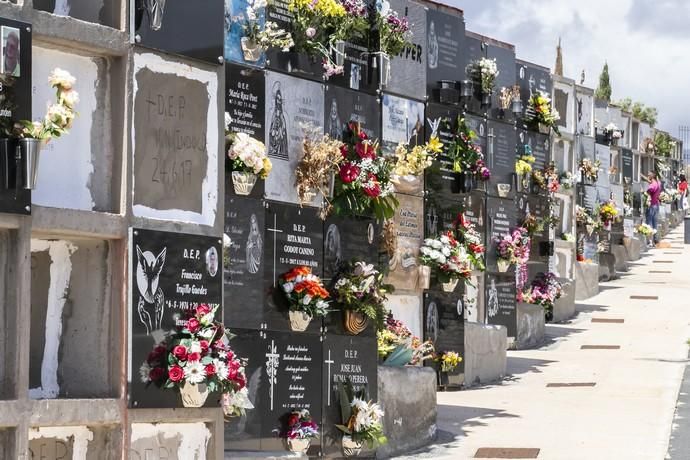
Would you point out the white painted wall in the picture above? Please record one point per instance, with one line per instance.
(408, 309)
(207, 216)
(60, 253)
(81, 436)
(65, 167)
(194, 439)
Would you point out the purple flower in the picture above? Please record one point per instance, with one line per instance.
(311, 32)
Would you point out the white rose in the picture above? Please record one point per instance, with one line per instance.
(61, 78)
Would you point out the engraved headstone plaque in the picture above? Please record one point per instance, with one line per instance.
(500, 301)
(502, 144)
(403, 268)
(344, 106)
(402, 121)
(408, 69)
(445, 32)
(444, 323)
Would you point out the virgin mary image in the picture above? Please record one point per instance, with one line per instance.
(254, 246)
(277, 136)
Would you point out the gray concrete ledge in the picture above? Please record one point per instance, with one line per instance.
(73, 223)
(531, 327)
(51, 412)
(586, 280)
(633, 248)
(564, 308)
(620, 254)
(408, 398)
(607, 266)
(485, 353)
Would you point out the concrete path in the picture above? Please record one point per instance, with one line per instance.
(627, 414)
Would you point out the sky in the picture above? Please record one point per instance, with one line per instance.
(645, 42)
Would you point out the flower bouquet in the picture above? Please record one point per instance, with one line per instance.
(196, 360)
(33, 135)
(449, 361)
(394, 37)
(510, 248)
(306, 296)
(364, 184)
(483, 73)
(260, 35)
(447, 258)
(411, 163)
(607, 213)
(645, 230)
(299, 429)
(532, 224)
(567, 180)
(397, 346)
(523, 166)
(468, 237)
(361, 421)
(541, 114)
(585, 220)
(612, 133)
(360, 291)
(248, 159)
(467, 157)
(589, 170)
(665, 198)
(315, 172)
(547, 179)
(544, 290)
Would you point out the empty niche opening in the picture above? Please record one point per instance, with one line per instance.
(73, 352)
(104, 12)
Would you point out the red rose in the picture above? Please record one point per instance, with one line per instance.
(204, 345)
(180, 352)
(365, 150)
(194, 356)
(203, 309)
(156, 374)
(344, 150)
(349, 172)
(232, 373)
(293, 420)
(210, 370)
(193, 325)
(175, 374)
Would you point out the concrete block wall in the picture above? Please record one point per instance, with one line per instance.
(63, 270)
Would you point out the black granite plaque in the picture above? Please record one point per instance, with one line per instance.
(245, 102)
(344, 106)
(15, 104)
(349, 239)
(627, 157)
(540, 145)
(444, 323)
(505, 62)
(500, 302)
(439, 215)
(532, 78)
(293, 236)
(345, 358)
(444, 47)
(502, 220)
(181, 27)
(590, 196)
(243, 262)
(408, 69)
(171, 273)
(502, 143)
(359, 73)
(538, 206)
(473, 206)
(439, 177)
(474, 50)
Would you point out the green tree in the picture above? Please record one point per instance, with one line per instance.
(639, 110)
(604, 89)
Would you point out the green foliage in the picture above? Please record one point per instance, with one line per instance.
(664, 144)
(639, 110)
(603, 91)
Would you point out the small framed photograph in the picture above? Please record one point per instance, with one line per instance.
(11, 47)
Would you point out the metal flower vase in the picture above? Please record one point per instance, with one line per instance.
(338, 49)
(383, 62)
(193, 394)
(31, 154)
(354, 322)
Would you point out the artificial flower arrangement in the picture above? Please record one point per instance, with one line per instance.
(608, 213)
(364, 184)
(544, 290)
(298, 430)
(467, 157)
(58, 120)
(523, 165)
(509, 96)
(665, 198)
(361, 293)
(449, 361)
(541, 114)
(469, 238)
(512, 248)
(259, 35)
(532, 224)
(411, 163)
(248, 160)
(397, 346)
(613, 132)
(306, 296)
(483, 73)
(318, 25)
(567, 180)
(589, 170)
(362, 420)
(645, 230)
(585, 220)
(447, 258)
(315, 171)
(195, 360)
(547, 179)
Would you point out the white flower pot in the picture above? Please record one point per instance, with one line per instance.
(411, 185)
(297, 445)
(243, 182)
(193, 395)
(450, 285)
(503, 190)
(309, 196)
(544, 128)
(351, 448)
(503, 265)
(251, 50)
(424, 279)
(299, 320)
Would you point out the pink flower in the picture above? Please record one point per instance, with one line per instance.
(311, 32)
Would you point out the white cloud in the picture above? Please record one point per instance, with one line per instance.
(645, 42)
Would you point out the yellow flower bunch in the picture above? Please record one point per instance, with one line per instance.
(414, 162)
(608, 211)
(328, 8)
(267, 168)
(523, 165)
(449, 361)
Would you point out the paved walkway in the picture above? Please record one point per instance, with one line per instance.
(626, 415)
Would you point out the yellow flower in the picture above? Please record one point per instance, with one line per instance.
(267, 168)
(434, 145)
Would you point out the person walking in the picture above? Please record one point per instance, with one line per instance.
(683, 189)
(654, 191)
